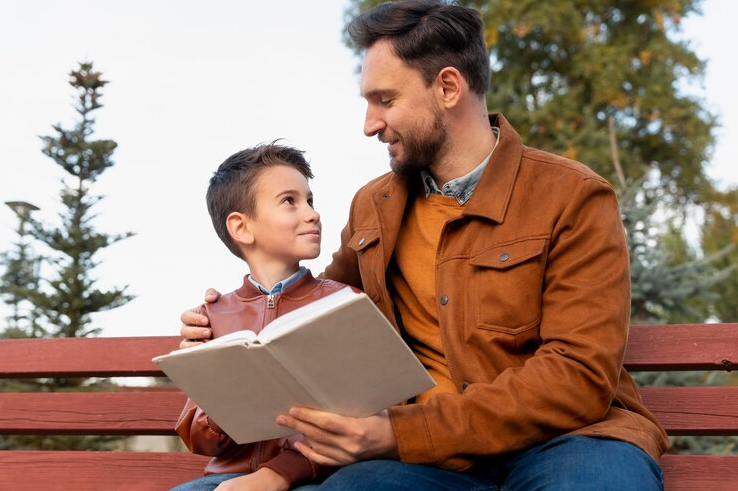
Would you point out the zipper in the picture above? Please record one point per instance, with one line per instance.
(270, 301)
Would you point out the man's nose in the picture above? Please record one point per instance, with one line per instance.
(373, 123)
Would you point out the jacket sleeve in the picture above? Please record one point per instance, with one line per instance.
(344, 267)
(571, 379)
(294, 466)
(200, 434)
(203, 436)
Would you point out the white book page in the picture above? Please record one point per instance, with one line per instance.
(245, 337)
(291, 320)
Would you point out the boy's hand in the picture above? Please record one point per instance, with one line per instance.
(195, 323)
(264, 479)
(336, 440)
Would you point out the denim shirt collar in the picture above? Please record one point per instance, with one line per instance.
(280, 286)
(462, 187)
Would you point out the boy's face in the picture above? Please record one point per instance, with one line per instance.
(286, 228)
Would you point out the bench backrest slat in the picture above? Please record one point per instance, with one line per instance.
(682, 411)
(683, 347)
(91, 413)
(104, 471)
(673, 347)
(83, 357)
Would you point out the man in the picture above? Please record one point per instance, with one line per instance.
(506, 270)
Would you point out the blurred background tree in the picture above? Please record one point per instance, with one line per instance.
(58, 299)
(604, 82)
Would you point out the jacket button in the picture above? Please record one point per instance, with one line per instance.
(361, 242)
(444, 299)
(464, 386)
(504, 256)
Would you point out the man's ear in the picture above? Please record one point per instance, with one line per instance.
(450, 85)
(239, 228)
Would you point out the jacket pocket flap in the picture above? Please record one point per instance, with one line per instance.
(363, 239)
(506, 256)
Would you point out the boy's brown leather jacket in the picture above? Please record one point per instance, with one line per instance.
(246, 308)
(533, 296)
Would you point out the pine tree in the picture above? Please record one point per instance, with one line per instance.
(20, 278)
(71, 295)
(669, 282)
(67, 296)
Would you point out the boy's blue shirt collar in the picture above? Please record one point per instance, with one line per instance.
(280, 286)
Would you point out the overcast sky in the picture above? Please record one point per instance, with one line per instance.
(192, 83)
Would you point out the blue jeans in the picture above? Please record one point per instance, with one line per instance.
(211, 481)
(567, 463)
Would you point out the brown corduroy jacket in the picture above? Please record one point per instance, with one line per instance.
(533, 290)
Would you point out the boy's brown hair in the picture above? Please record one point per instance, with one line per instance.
(232, 187)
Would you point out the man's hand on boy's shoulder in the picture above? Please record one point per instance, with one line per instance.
(195, 323)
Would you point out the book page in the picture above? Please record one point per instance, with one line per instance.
(238, 337)
(292, 320)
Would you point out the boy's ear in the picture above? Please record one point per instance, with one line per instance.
(238, 225)
(450, 85)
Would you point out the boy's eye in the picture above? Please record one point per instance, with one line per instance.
(310, 202)
(289, 200)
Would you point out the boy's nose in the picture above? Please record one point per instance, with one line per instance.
(312, 216)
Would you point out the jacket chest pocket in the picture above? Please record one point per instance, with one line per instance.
(366, 244)
(507, 285)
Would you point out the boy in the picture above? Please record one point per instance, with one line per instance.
(262, 209)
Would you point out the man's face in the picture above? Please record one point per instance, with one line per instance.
(401, 110)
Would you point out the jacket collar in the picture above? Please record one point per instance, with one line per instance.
(492, 195)
(489, 200)
(390, 202)
(299, 289)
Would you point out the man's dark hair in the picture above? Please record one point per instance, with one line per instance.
(428, 35)
(232, 187)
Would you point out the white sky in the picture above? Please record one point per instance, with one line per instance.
(190, 85)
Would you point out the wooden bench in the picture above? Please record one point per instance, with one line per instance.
(682, 410)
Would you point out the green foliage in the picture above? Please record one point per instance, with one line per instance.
(561, 71)
(71, 295)
(561, 68)
(60, 302)
(670, 284)
(720, 231)
(17, 282)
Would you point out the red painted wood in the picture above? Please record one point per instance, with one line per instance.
(97, 471)
(83, 357)
(142, 471)
(700, 472)
(682, 411)
(91, 413)
(683, 347)
(694, 410)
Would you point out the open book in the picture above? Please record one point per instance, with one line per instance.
(338, 353)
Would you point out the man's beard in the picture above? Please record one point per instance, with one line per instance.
(420, 150)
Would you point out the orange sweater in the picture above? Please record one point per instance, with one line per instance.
(413, 278)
